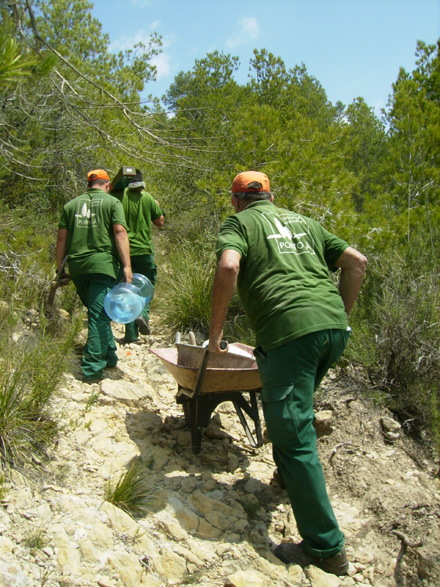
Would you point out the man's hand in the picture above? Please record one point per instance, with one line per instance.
(218, 345)
(63, 278)
(128, 274)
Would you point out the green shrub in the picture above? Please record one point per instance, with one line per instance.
(397, 338)
(27, 256)
(3, 487)
(34, 350)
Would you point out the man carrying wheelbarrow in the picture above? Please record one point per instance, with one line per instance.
(280, 262)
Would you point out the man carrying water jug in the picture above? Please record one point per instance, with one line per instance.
(141, 210)
(280, 261)
(92, 234)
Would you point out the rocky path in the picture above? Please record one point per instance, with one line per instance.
(214, 515)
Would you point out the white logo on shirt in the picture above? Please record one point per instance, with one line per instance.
(287, 241)
(85, 217)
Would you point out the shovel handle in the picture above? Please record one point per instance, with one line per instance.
(61, 269)
(54, 284)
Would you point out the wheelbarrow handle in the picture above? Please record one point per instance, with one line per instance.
(201, 373)
(202, 368)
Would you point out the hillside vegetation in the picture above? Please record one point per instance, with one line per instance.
(69, 105)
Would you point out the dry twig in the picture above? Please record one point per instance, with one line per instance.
(350, 448)
(405, 542)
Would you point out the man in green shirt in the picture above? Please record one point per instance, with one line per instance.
(280, 262)
(92, 233)
(141, 210)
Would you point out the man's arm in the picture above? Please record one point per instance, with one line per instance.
(61, 246)
(159, 221)
(123, 246)
(223, 289)
(353, 265)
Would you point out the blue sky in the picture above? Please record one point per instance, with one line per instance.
(352, 47)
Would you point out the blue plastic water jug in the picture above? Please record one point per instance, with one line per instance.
(146, 288)
(125, 302)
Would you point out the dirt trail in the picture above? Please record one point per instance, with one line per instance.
(217, 512)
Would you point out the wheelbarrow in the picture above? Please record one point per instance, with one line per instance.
(206, 380)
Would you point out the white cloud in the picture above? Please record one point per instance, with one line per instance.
(251, 27)
(169, 40)
(248, 28)
(162, 63)
(124, 42)
(128, 41)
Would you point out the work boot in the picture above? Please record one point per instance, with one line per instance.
(294, 553)
(143, 325)
(93, 379)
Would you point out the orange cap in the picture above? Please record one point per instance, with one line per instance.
(97, 174)
(243, 179)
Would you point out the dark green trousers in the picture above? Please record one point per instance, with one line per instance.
(143, 264)
(100, 349)
(290, 374)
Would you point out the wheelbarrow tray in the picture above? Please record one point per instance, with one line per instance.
(205, 380)
(225, 372)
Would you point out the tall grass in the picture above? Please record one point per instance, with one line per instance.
(132, 492)
(184, 296)
(31, 364)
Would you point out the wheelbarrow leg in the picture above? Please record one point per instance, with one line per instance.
(202, 407)
(196, 426)
(193, 418)
(241, 404)
(197, 412)
(198, 406)
(257, 421)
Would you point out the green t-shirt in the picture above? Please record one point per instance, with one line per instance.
(284, 280)
(91, 246)
(140, 209)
